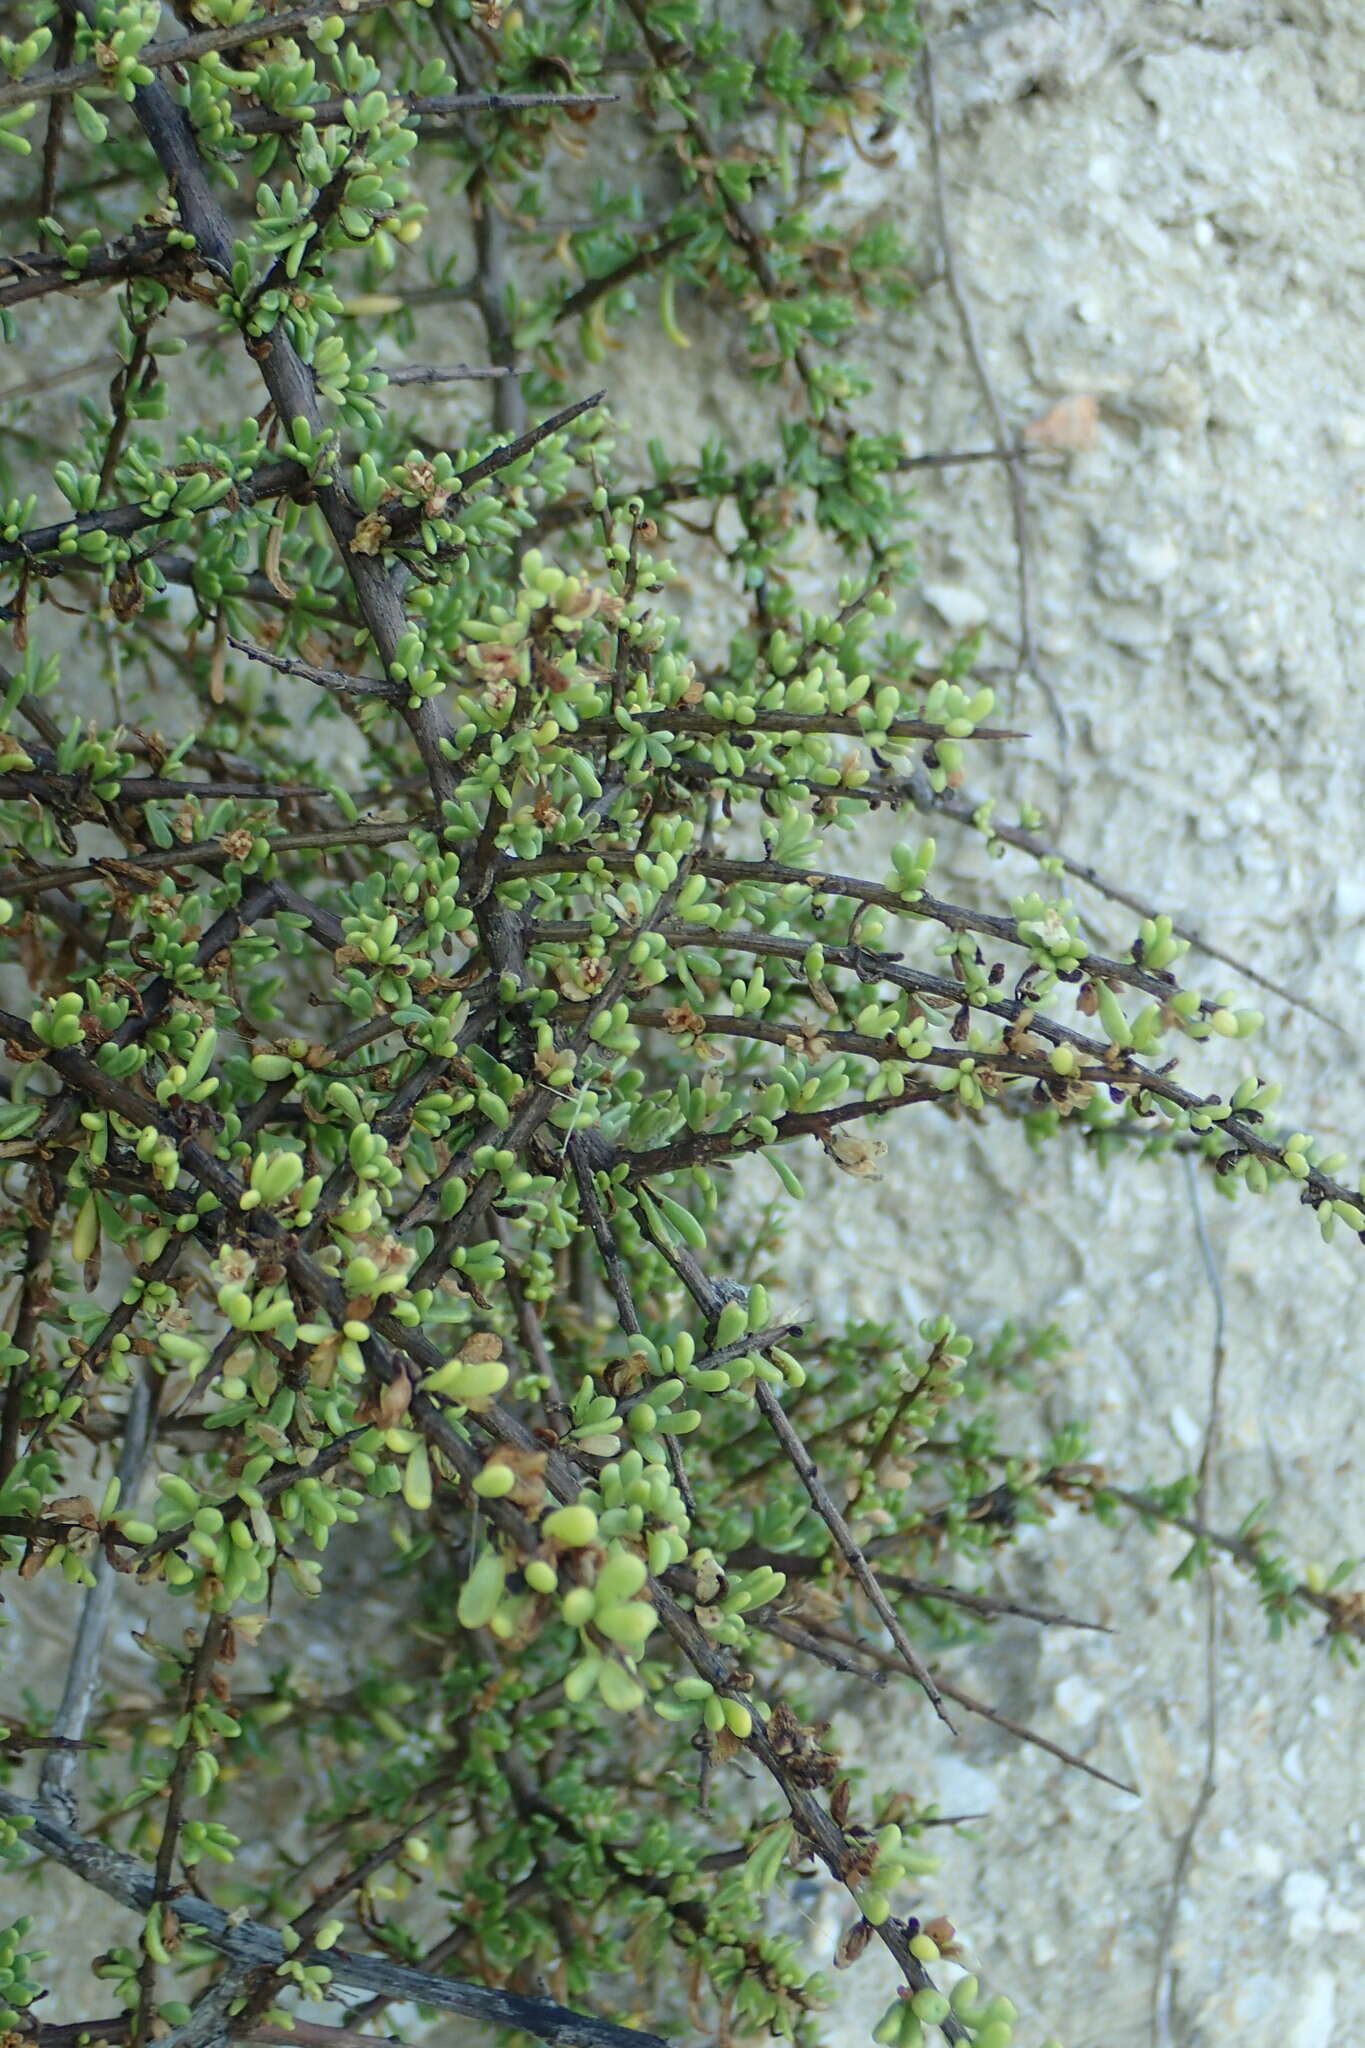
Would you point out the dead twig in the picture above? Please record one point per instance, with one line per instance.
(327, 678)
(807, 1471)
(1163, 1985)
(973, 1705)
(1006, 447)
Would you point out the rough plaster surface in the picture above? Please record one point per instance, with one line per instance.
(1154, 207)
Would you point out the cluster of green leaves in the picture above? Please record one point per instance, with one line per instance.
(20, 1978)
(382, 1116)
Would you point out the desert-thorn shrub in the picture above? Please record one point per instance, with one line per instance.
(413, 911)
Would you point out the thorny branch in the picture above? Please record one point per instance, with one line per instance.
(248, 1944)
(829, 1514)
(181, 50)
(536, 1140)
(559, 1474)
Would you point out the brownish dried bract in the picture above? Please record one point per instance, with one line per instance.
(370, 535)
(798, 1748)
(851, 1944)
(681, 1017)
(528, 1492)
(387, 1408)
(859, 1156)
(943, 1934)
(76, 1508)
(860, 1857)
(1348, 1614)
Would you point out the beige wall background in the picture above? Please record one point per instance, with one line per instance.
(1155, 209)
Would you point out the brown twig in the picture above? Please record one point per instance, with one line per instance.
(595, 288)
(951, 1690)
(426, 109)
(964, 810)
(274, 479)
(179, 50)
(446, 373)
(814, 1823)
(142, 252)
(335, 679)
(807, 1471)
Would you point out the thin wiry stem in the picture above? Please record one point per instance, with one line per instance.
(1007, 446)
(808, 1472)
(1163, 1987)
(83, 1668)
